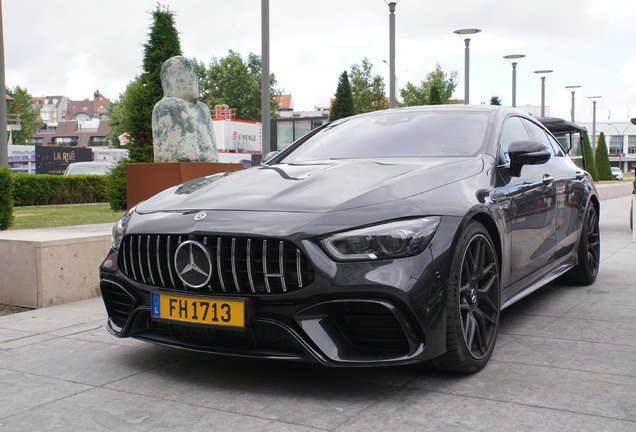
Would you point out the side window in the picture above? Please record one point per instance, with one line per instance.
(538, 134)
(512, 130)
(558, 148)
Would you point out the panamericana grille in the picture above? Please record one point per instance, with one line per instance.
(240, 265)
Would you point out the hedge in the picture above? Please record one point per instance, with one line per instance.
(6, 198)
(44, 189)
(116, 189)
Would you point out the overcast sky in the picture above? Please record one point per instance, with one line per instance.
(74, 47)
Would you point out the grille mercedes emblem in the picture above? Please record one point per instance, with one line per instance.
(199, 216)
(193, 264)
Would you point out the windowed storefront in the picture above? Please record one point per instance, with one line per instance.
(285, 131)
(616, 144)
(631, 144)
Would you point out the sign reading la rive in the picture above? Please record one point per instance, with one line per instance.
(54, 160)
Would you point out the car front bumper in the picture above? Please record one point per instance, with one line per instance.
(347, 314)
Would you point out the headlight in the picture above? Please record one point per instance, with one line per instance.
(120, 227)
(387, 241)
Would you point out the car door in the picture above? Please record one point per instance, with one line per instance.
(571, 194)
(531, 208)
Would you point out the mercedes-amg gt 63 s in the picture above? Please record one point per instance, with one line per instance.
(385, 238)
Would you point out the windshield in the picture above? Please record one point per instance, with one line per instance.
(396, 134)
(97, 169)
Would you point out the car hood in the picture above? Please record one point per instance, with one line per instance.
(314, 187)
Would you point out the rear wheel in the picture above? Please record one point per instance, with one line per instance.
(472, 303)
(589, 253)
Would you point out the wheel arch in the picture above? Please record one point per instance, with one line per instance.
(488, 222)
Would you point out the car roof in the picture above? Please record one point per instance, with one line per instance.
(90, 163)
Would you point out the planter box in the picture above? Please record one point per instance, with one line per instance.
(147, 179)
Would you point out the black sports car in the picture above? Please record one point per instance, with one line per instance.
(390, 237)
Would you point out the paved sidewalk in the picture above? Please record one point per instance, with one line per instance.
(565, 361)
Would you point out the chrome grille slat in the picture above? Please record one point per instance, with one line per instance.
(122, 251)
(253, 265)
(141, 267)
(281, 266)
(234, 273)
(159, 268)
(267, 287)
(249, 264)
(132, 260)
(168, 261)
(152, 279)
(219, 267)
(299, 271)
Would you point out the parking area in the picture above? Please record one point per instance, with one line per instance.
(565, 360)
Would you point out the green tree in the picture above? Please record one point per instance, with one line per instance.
(132, 113)
(367, 89)
(436, 89)
(495, 100)
(236, 82)
(601, 157)
(343, 104)
(588, 157)
(21, 107)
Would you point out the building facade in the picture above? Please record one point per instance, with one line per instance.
(72, 123)
(620, 138)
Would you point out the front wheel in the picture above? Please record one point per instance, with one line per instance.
(472, 306)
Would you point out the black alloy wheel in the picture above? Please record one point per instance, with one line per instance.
(473, 303)
(589, 252)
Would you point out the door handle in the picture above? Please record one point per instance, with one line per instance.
(547, 179)
(580, 175)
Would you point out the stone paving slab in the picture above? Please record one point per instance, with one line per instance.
(565, 361)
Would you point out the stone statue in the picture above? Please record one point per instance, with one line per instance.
(181, 125)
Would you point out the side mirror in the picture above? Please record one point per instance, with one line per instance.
(269, 156)
(527, 153)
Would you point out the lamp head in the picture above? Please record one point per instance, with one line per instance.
(466, 33)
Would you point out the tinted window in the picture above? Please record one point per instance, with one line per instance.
(538, 134)
(512, 130)
(396, 134)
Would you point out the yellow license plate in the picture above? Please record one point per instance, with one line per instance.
(200, 310)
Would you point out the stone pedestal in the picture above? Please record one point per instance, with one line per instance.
(147, 179)
(48, 266)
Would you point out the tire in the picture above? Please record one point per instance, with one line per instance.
(473, 303)
(589, 252)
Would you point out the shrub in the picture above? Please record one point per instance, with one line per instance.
(44, 189)
(116, 187)
(601, 157)
(6, 198)
(588, 157)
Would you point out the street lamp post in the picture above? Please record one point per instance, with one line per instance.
(4, 150)
(573, 90)
(622, 135)
(392, 54)
(265, 82)
(465, 35)
(542, 74)
(512, 58)
(395, 80)
(594, 99)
